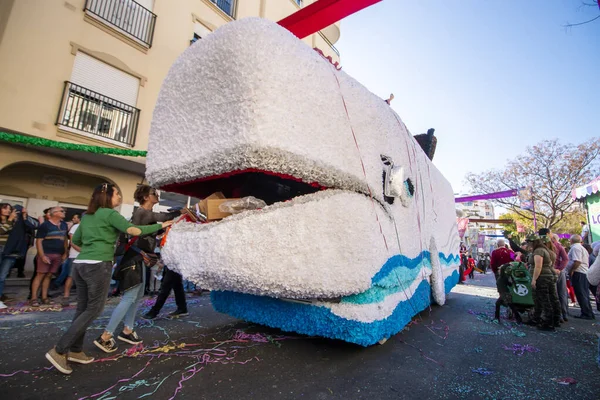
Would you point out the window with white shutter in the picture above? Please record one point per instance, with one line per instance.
(100, 77)
(99, 101)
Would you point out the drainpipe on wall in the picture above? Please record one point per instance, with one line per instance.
(261, 11)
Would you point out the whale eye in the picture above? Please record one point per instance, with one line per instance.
(387, 178)
(410, 188)
(388, 199)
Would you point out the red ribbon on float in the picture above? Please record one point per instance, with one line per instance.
(321, 14)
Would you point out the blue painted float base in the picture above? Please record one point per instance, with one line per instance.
(450, 282)
(320, 321)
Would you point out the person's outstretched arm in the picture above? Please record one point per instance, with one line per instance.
(121, 224)
(515, 247)
(163, 216)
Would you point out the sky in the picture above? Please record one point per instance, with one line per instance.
(491, 76)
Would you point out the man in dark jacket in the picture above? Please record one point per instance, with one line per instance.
(18, 241)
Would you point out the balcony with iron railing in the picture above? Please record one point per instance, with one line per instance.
(127, 16)
(96, 116)
(227, 6)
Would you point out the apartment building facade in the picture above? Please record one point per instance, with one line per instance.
(89, 72)
(479, 209)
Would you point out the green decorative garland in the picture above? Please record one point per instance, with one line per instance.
(40, 142)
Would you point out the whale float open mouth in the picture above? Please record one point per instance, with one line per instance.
(252, 111)
(268, 186)
(241, 252)
(326, 220)
(283, 125)
(271, 187)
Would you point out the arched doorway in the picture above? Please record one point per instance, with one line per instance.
(38, 186)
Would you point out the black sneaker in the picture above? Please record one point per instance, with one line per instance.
(584, 317)
(178, 314)
(132, 338)
(547, 328)
(149, 315)
(107, 346)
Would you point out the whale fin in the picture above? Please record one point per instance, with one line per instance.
(437, 275)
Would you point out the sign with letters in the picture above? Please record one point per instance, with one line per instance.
(55, 181)
(593, 207)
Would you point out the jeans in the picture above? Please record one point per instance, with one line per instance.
(127, 307)
(171, 280)
(92, 282)
(6, 263)
(563, 296)
(582, 292)
(65, 272)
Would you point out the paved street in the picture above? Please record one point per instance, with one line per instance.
(449, 352)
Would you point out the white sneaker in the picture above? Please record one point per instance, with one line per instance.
(3, 306)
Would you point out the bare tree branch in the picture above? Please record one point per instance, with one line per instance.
(586, 4)
(551, 169)
(581, 23)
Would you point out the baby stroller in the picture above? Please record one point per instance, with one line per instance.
(514, 286)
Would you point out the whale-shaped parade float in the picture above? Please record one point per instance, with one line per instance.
(359, 233)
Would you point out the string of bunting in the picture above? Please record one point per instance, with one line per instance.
(41, 142)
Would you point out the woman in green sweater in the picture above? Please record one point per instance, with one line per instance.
(92, 270)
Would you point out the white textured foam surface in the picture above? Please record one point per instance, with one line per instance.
(311, 246)
(251, 95)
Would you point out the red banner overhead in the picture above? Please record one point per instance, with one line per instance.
(321, 14)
